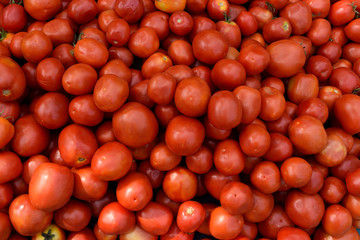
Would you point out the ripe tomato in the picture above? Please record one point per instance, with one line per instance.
(92, 52)
(13, 18)
(79, 79)
(42, 191)
(180, 184)
(137, 233)
(311, 212)
(35, 46)
(190, 216)
(53, 231)
(134, 191)
(265, 176)
(42, 10)
(296, 172)
(345, 114)
(336, 220)
(12, 78)
(263, 205)
(26, 219)
(224, 225)
(143, 42)
(115, 219)
(155, 218)
(77, 144)
(74, 216)
(236, 198)
(288, 233)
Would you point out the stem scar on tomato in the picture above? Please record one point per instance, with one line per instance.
(48, 235)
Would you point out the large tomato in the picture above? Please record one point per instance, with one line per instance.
(44, 191)
(346, 114)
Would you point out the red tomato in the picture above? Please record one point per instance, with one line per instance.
(296, 172)
(263, 205)
(137, 233)
(42, 10)
(92, 52)
(5, 226)
(74, 216)
(115, 219)
(42, 191)
(345, 113)
(190, 216)
(292, 233)
(26, 219)
(223, 225)
(236, 198)
(35, 46)
(265, 176)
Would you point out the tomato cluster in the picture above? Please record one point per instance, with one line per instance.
(179, 119)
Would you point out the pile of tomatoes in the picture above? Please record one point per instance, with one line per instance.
(179, 119)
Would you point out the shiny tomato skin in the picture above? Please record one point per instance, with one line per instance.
(12, 78)
(180, 184)
(74, 216)
(26, 219)
(129, 131)
(134, 191)
(115, 219)
(52, 230)
(305, 141)
(155, 218)
(30, 137)
(129, 10)
(263, 205)
(43, 193)
(190, 216)
(111, 161)
(77, 144)
(5, 226)
(296, 172)
(292, 233)
(227, 74)
(236, 198)
(228, 157)
(215, 181)
(265, 176)
(92, 52)
(310, 213)
(184, 135)
(42, 10)
(299, 15)
(209, 46)
(137, 233)
(143, 42)
(8, 130)
(337, 220)
(7, 193)
(49, 72)
(346, 114)
(36, 46)
(223, 225)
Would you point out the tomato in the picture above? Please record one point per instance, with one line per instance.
(277, 29)
(275, 222)
(42, 10)
(247, 23)
(129, 131)
(296, 172)
(111, 161)
(190, 216)
(115, 219)
(345, 114)
(263, 205)
(265, 176)
(53, 231)
(77, 145)
(175, 233)
(159, 21)
(302, 134)
(333, 190)
(143, 42)
(319, 32)
(229, 158)
(341, 13)
(202, 23)
(63, 52)
(79, 79)
(92, 52)
(261, 15)
(5, 226)
(116, 67)
(134, 191)
(180, 184)
(8, 131)
(181, 52)
(196, 6)
(35, 46)
(13, 18)
(320, 66)
(336, 220)
(138, 94)
(7, 193)
(138, 233)
(59, 31)
(181, 23)
(227, 74)
(223, 225)
(155, 63)
(254, 140)
(26, 219)
(83, 110)
(293, 233)
(100, 235)
(42, 183)
(236, 198)
(286, 58)
(13, 80)
(198, 91)
(311, 212)
(161, 88)
(280, 148)
(334, 153)
(352, 179)
(209, 46)
(30, 137)
(331, 50)
(85, 234)
(231, 31)
(299, 15)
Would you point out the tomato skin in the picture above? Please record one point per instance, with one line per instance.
(276, 29)
(341, 12)
(336, 220)
(85, 234)
(8, 131)
(236, 198)
(143, 42)
(59, 31)
(254, 140)
(155, 218)
(312, 211)
(43, 182)
(320, 31)
(81, 11)
(180, 184)
(129, 131)
(223, 225)
(273, 104)
(129, 10)
(42, 10)
(229, 158)
(299, 15)
(263, 205)
(27, 129)
(11, 168)
(227, 74)
(13, 18)
(296, 172)
(12, 80)
(320, 66)
(286, 58)
(190, 216)
(345, 79)
(7, 193)
(74, 216)
(115, 219)
(292, 233)
(346, 114)
(181, 52)
(209, 46)
(305, 141)
(49, 72)
(77, 144)
(35, 46)
(265, 176)
(181, 23)
(155, 63)
(134, 191)
(26, 219)
(92, 52)
(5, 226)
(53, 230)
